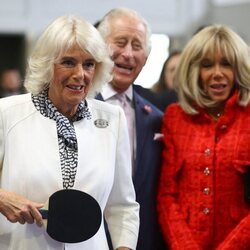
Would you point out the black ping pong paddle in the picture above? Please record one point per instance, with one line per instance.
(72, 216)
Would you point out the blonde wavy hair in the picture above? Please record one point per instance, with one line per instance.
(210, 40)
(61, 35)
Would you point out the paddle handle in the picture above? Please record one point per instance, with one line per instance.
(44, 213)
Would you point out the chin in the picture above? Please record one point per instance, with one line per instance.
(75, 101)
(221, 98)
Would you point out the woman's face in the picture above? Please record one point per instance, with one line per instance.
(217, 77)
(170, 70)
(73, 75)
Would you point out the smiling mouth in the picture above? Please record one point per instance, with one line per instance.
(75, 87)
(219, 86)
(127, 68)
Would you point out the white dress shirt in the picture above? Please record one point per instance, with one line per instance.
(111, 96)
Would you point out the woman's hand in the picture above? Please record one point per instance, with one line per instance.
(16, 208)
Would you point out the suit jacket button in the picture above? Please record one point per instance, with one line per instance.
(206, 190)
(206, 171)
(207, 152)
(206, 211)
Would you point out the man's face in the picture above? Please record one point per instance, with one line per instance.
(127, 40)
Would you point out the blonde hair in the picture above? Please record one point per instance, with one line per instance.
(61, 35)
(210, 40)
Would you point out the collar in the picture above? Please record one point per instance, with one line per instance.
(231, 109)
(45, 106)
(109, 93)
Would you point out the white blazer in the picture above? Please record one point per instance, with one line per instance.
(30, 166)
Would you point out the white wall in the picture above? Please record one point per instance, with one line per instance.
(235, 16)
(165, 16)
(176, 18)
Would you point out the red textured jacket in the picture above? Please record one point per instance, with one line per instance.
(201, 193)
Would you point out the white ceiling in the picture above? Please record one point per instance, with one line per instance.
(167, 16)
(172, 17)
(229, 2)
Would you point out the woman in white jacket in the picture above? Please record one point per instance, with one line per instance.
(58, 137)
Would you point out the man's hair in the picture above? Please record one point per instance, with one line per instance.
(104, 25)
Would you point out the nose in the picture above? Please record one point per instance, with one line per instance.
(218, 71)
(128, 51)
(79, 71)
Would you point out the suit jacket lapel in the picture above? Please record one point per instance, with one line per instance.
(142, 118)
(99, 97)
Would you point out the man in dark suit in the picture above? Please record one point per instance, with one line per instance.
(160, 100)
(128, 36)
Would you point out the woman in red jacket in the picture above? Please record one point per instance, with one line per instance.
(207, 146)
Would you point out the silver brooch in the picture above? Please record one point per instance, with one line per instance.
(101, 123)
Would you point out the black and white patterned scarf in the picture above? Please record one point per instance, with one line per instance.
(66, 134)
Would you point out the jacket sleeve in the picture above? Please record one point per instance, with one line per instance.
(239, 237)
(172, 221)
(122, 211)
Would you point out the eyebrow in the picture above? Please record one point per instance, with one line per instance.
(67, 57)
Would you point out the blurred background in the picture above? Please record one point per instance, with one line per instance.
(173, 22)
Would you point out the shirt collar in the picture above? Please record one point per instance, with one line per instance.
(108, 92)
(47, 108)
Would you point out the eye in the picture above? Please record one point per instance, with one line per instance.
(225, 62)
(120, 43)
(68, 63)
(206, 63)
(137, 46)
(89, 64)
